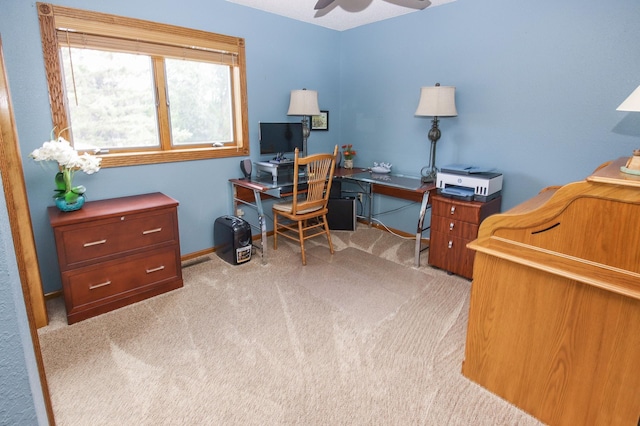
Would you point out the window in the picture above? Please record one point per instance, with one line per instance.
(110, 100)
(143, 92)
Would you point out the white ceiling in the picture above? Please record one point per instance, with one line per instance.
(341, 15)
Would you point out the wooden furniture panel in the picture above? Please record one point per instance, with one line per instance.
(561, 350)
(115, 278)
(466, 230)
(405, 194)
(451, 254)
(116, 252)
(554, 318)
(467, 211)
(114, 236)
(454, 223)
(558, 233)
(246, 194)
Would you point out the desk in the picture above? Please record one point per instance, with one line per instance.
(554, 314)
(399, 186)
(393, 185)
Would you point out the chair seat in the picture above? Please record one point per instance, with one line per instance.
(288, 208)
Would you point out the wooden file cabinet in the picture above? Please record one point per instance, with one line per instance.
(116, 252)
(454, 224)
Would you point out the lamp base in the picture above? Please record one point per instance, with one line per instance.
(633, 164)
(305, 135)
(430, 176)
(430, 173)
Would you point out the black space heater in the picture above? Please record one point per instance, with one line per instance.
(232, 238)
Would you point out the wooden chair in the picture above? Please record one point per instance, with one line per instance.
(305, 216)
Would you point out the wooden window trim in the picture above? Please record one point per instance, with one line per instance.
(52, 18)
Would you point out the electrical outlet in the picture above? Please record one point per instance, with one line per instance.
(239, 212)
(360, 196)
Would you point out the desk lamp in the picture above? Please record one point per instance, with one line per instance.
(632, 103)
(305, 103)
(435, 101)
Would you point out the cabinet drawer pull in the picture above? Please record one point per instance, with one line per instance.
(151, 231)
(451, 226)
(93, 287)
(453, 209)
(159, 268)
(95, 243)
(450, 244)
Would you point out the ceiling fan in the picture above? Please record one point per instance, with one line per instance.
(413, 4)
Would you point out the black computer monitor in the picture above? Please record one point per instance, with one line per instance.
(280, 138)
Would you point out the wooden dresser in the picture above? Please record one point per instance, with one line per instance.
(116, 252)
(554, 318)
(454, 224)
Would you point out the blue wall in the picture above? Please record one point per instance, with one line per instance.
(21, 400)
(537, 87)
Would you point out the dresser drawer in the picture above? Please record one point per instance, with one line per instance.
(451, 254)
(456, 228)
(114, 236)
(119, 278)
(466, 211)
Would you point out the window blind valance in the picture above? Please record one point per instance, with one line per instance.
(87, 22)
(92, 41)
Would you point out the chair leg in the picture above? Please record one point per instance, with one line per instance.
(326, 229)
(275, 230)
(301, 236)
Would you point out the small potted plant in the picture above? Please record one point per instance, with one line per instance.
(348, 153)
(67, 196)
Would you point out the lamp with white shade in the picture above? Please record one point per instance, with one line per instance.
(632, 103)
(435, 101)
(305, 103)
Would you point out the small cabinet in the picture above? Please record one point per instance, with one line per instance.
(454, 224)
(116, 252)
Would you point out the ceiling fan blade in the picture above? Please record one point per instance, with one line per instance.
(412, 4)
(321, 4)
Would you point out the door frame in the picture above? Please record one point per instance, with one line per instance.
(21, 228)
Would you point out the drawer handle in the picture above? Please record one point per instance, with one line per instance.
(151, 231)
(450, 244)
(95, 243)
(159, 268)
(453, 209)
(93, 287)
(451, 226)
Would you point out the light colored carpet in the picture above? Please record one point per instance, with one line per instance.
(357, 338)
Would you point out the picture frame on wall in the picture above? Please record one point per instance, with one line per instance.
(320, 122)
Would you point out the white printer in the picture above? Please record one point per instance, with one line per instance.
(468, 182)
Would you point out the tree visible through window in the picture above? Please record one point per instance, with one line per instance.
(110, 98)
(200, 102)
(142, 92)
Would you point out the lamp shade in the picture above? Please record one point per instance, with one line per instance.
(437, 101)
(632, 103)
(303, 102)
